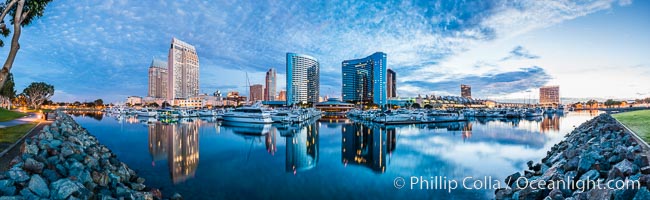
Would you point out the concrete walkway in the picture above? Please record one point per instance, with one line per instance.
(23, 120)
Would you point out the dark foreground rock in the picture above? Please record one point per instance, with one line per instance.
(64, 161)
(597, 160)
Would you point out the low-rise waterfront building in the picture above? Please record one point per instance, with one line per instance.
(334, 107)
(134, 100)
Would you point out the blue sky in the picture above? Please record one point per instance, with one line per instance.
(504, 49)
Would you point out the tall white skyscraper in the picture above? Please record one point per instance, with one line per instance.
(183, 70)
(303, 73)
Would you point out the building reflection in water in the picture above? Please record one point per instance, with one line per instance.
(179, 144)
(467, 131)
(302, 148)
(270, 141)
(550, 123)
(367, 145)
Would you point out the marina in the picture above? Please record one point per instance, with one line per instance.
(323, 154)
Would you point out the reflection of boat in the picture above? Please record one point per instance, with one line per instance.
(147, 120)
(248, 128)
(249, 114)
(443, 117)
(449, 126)
(290, 129)
(167, 113)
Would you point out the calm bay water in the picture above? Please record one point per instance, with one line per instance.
(206, 159)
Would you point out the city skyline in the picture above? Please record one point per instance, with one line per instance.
(502, 49)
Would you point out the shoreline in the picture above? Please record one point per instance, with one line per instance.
(599, 159)
(64, 161)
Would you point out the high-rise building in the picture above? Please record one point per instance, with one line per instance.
(282, 96)
(183, 70)
(158, 79)
(364, 80)
(256, 92)
(466, 91)
(549, 95)
(303, 82)
(269, 90)
(391, 83)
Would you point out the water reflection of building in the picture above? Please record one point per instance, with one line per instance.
(302, 149)
(467, 131)
(270, 140)
(180, 144)
(158, 145)
(367, 145)
(550, 123)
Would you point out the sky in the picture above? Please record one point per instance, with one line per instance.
(502, 48)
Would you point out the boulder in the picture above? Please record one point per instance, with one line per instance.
(176, 196)
(33, 166)
(38, 186)
(7, 187)
(512, 178)
(586, 161)
(642, 194)
(63, 188)
(627, 167)
(17, 174)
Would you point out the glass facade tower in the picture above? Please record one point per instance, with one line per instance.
(364, 80)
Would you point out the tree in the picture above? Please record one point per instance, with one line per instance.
(7, 92)
(99, 102)
(20, 100)
(609, 102)
(153, 104)
(416, 105)
(165, 104)
(37, 93)
(23, 12)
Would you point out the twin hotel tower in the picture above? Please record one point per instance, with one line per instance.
(365, 80)
(176, 81)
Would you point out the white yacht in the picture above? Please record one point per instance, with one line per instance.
(249, 114)
(394, 117)
(206, 113)
(146, 112)
(534, 112)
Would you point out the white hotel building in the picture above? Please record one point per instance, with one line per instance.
(183, 70)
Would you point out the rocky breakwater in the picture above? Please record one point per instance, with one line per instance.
(598, 160)
(64, 161)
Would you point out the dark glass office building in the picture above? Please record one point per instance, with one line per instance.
(364, 80)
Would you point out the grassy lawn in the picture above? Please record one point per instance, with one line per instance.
(639, 121)
(7, 115)
(13, 133)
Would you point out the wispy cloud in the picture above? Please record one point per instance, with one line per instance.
(484, 85)
(102, 48)
(520, 52)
